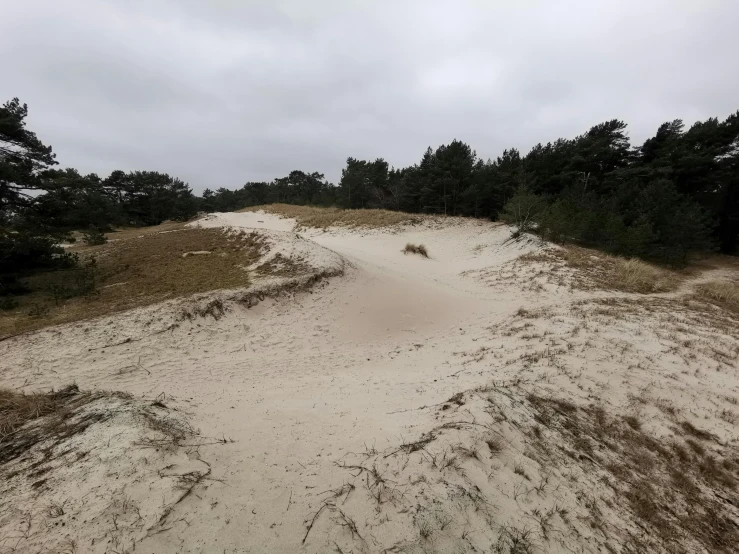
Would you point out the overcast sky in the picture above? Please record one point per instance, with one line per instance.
(220, 92)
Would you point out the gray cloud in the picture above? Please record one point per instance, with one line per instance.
(226, 91)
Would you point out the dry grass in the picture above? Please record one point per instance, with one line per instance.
(721, 293)
(680, 496)
(638, 276)
(17, 409)
(419, 249)
(322, 218)
(581, 468)
(28, 419)
(124, 233)
(599, 270)
(141, 268)
(627, 275)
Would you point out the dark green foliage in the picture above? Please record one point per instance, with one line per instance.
(23, 252)
(677, 193)
(8, 303)
(74, 281)
(23, 246)
(39, 205)
(366, 183)
(22, 156)
(149, 197)
(524, 210)
(297, 188)
(73, 201)
(93, 236)
(25, 249)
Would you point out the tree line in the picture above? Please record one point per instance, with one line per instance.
(676, 193)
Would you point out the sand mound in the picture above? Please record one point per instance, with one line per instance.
(490, 398)
(506, 470)
(98, 473)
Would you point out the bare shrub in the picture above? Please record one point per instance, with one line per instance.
(691, 429)
(94, 236)
(17, 409)
(495, 444)
(523, 211)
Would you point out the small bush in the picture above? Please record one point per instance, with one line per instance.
(523, 211)
(93, 236)
(419, 249)
(8, 303)
(24, 252)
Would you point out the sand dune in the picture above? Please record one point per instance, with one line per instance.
(324, 390)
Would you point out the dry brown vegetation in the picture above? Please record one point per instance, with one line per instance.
(599, 270)
(17, 409)
(682, 498)
(419, 249)
(722, 293)
(617, 273)
(78, 244)
(55, 410)
(55, 443)
(554, 474)
(322, 218)
(140, 268)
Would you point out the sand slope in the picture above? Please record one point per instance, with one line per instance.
(347, 373)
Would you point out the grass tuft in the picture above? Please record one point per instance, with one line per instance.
(17, 409)
(419, 249)
(691, 429)
(721, 293)
(617, 273)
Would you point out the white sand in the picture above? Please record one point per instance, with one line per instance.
(301, 383)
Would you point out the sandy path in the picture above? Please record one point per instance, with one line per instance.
(298, 384)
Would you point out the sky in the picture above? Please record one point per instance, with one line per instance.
(221, 92)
